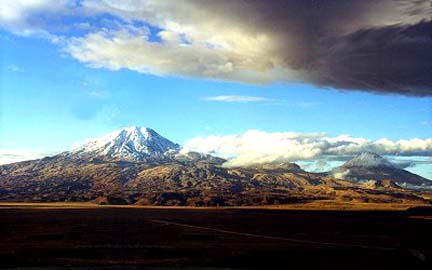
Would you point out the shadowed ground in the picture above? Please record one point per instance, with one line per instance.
(137, 238)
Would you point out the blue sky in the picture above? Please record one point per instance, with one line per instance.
(52, 99)
(47, 81)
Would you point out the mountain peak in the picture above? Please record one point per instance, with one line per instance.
(368, 159)
(134, 143)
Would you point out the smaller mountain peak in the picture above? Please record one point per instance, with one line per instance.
(368, 159)
(370, 155)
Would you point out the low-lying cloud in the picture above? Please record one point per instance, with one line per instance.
(255, 147)
(16, 155)
(375, 46)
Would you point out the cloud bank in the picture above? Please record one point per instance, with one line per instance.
(376, 46)
(255, 147)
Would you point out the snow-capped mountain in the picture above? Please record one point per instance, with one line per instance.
(132, 143)
(368, 159)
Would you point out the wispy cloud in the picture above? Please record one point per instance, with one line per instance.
(98, 94)
(267, 101)
(14, 68)
(426, 123)
(234, 98)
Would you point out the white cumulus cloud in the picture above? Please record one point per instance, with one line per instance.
(117, 49)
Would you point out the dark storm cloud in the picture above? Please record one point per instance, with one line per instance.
(391, 59)
(381, 46)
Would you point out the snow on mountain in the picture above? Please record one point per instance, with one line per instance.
(134, 143)
(368, 159)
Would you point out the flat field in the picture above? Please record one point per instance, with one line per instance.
(84, 236)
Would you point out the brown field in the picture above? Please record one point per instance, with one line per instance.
(315, 235)
(320, 205)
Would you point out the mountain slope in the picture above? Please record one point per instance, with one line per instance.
(171, 181)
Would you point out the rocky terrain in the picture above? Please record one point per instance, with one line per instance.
(138, 166)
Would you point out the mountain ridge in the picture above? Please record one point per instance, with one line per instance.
(136, 165)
